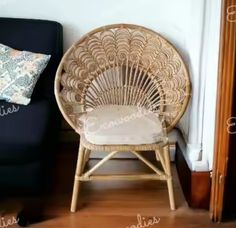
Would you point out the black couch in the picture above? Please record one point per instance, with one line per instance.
(28, 136)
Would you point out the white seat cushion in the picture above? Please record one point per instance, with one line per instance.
(123, 125)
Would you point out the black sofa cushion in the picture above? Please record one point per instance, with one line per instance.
(24, 133)
(22, 179)
(28, 137)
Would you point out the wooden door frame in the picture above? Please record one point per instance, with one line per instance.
(224, 109)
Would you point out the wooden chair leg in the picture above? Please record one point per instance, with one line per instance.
(78, 171)
(87, 153)
(170, 179)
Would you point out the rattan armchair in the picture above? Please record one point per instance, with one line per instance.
(115, 72)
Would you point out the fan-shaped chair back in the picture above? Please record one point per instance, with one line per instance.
(122, 64)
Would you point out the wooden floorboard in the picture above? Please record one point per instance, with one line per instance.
(114, 204)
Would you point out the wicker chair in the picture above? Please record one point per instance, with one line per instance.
(108, 76)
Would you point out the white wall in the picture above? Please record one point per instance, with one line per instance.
(80, 16)
(210, 71)
(203, 47)
(183, 22)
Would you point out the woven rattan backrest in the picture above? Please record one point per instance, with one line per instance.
(122, 64)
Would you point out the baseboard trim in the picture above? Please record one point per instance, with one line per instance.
(196, 185)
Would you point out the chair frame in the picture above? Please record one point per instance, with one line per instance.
(161, 151)
(161, 148)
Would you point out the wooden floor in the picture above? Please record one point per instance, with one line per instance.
(115, 204)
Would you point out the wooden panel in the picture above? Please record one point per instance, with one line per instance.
(229, 209)
(200, 189)
(224, 107)
(196, 185)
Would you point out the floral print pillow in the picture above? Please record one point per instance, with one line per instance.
(19, 72)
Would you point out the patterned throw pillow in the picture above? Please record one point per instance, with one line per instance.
(19, 72)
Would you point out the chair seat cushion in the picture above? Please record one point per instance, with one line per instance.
(121, 125)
